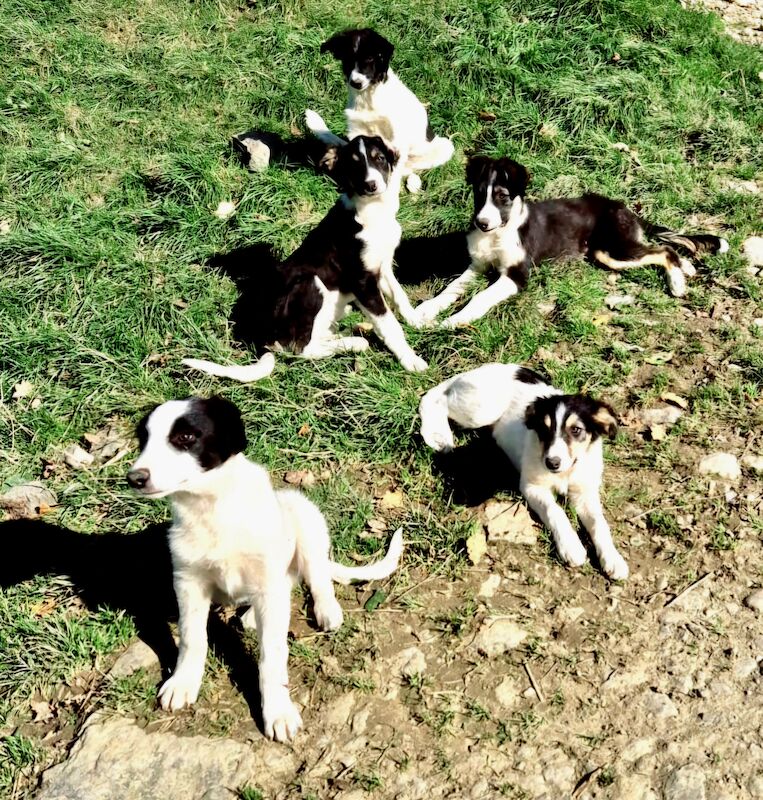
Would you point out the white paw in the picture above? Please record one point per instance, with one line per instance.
(688, 268)
(572, 552)
(329, 614)
(724, 246)
(676, 282)
(413, 183)
(414, 363)
(438, 440)
(314, 121)
(424, 315)
(280, 717)
(179, 691)
(453, 322)
(614, 566)
(249, 619)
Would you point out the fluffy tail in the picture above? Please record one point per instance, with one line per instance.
(371, 572)
(318, 128)
(438, 151)
(695, 244)
(245, 374)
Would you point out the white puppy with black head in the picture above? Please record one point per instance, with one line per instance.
(554, 440)
(236, 540)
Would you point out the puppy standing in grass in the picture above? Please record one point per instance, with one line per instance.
(380, 104)
(347, 258)
(235, 540)
(554, 441)
(511, 235)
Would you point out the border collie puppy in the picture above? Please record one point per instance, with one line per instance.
(347, 258)
(236, 540)
(554, 441)
(511, 235)
(380, 104)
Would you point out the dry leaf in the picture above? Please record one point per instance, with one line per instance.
(27, 501)
(487, 116)
(601, 319)
(178, 303)
(476, 545)
(41, 711)
(300, 477)
(675, 399)
(44, 608)
(22, 389)
(305, 430)
(77, 458)
(364, 327)
(106, 443)
(657, 359)
(377, 525)
(391, 500)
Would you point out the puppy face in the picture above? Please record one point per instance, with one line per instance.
(364, 56)
(362, 166)
(567, 425)
(496, 182)
(182, 441)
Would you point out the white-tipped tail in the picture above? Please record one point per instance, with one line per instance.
(318, 127)
(245, 374)
(372, 572)
(436, 153)
(723, 247)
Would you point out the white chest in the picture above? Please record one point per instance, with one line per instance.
(380, 235)
(500, 248)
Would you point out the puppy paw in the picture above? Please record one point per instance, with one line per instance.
(328, 614)
(439, 441)
(249, 619)
(614, 566)
(676, 282)
(424, 315)
(687, 268)
(413, 183)
(179, 691)
(281, 718)
(414, 363)
(572, 553)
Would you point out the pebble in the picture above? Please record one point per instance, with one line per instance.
(755, 601)
(746, 667)
(498, 635)
(755, 785)
(685, 783)
(489, 586)
(137, 656)
(724, 465)
(77, 457)
(338, 712)
(410, 661)
(660, 705)
(638, 749)
(507, 692)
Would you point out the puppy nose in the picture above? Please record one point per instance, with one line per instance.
(552, 462)
(482, 224)
(138, 478)
(371, 186)
(355, 83)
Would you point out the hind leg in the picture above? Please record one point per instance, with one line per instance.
(630, 254)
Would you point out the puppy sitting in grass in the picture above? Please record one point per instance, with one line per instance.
(236, 540)
(554, 441)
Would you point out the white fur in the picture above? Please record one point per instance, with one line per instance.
(491, 395)
(489, 215)
(235, 540)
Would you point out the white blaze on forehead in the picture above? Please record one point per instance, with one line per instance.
(359, 78)
(372, 174)
(558, 447)
(489, 214)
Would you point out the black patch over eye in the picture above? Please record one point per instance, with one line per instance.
(576, 431)
(183, 439)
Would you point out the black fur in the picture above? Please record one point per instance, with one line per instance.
(597, 417)
(362, 50)
(526, 375)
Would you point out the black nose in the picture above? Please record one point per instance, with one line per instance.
(553, 463)
(482, 225)
(356, 84)
(371, 186)
(138, 478)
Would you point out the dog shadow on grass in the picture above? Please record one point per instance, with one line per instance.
(124, 572)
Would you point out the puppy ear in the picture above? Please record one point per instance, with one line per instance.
(329, 159)
(338, 45)
(229, 427)
(141, 429)
(532, 416)
(385, 49)
(605, 420)
(475, 167)
(518, 176)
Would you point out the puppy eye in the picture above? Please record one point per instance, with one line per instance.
(185, 439)
(501, 194)
(355, 157)
(576, 431)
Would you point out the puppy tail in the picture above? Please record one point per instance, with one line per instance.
(318, 128)
(438, 152)
(371, 572)
(245, 374)
(695, 244)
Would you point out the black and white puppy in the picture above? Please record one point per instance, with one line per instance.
(346, 259)
(554, 441)
(510, 235)
(380, 104)
(235, 540)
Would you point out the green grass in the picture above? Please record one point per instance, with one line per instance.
(114, 123)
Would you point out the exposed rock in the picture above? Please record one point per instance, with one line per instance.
(755, 601)
(338, 712)
(622, 681)
(137, 656)
(510, 522)
(498, 635)
(746, 667)
(660, 705)
(114, 759)
(410, 661)
(724, 465)
(638, 749)
(77, 457)
(685, 783)
(507, 692)
(489, 586)
(27, 500)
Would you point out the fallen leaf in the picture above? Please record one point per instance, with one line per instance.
(44, 608)
(5, 227)
(178, 303)
(305, 430)
(77, 458)
(675, 399)
(364, 327)
(601, 319)
(27, 501)
(391, 500)
(476, 545)
(375, 600)
(657, 359)
(41, 711)
(617, 300)
(377, 525)
(22, 389)
(487, 116)
(300, 477)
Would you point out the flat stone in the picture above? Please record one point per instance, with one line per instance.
(745, 667)
(755, 785)
(338, 712)
(724, 465)
(638, 749)
(685, 783)
(510, 522)
(137, 656)
(755, 601)
(489, 586)
(660, 705)
(498, 635)
(114, 759)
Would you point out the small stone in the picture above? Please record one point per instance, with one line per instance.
(27, 500)
(758, 322)
(509, 522)
(360, 722)
(410, 661)
(617, 300)
(489, 586)
(507, 692)
(685, 783)
(137, 656)
(638, 749)
(755, 463)
(498, 635)
(753, 250)
(660, 705)
(667, 415)
(755, 601)
(225, 209)
(338, 713)
(745, 667)
(724, 465)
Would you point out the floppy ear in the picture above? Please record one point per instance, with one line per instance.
(475, 167)
(229, 427)
(338, 45)
(518, 175)
(605, 420)
(385, 49)
(532, 416)
(329, 159)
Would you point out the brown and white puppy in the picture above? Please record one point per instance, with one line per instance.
(235, 540)
(554, 441)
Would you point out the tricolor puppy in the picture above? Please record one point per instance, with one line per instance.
(380, 104)
(510, 235)
(346, 259)
(554, 441)
(235, 540)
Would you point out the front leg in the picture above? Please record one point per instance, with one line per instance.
(543, 503)
(429, 309)
(280, 716)
(481, 303)
(392, 290)
(182, 688)
(588, 506)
